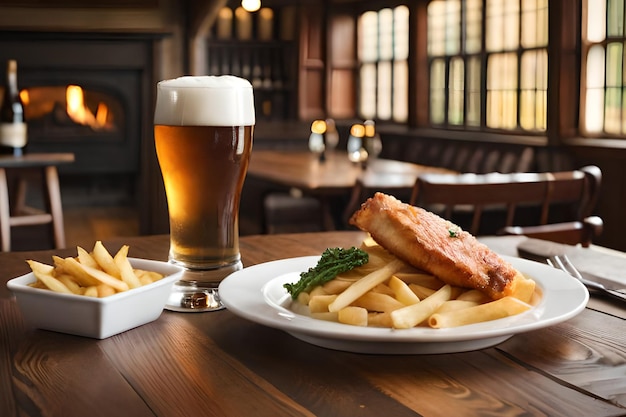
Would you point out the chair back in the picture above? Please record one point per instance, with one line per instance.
(481, 196)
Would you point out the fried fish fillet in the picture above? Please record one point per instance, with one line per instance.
(433, 244)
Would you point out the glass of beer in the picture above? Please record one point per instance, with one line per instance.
(203, 128)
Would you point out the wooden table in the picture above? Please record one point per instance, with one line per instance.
(217, 364)
(334, 176)
(17, 213)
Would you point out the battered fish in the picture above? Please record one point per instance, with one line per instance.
(433, 244)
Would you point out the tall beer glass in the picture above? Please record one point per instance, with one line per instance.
(203, 129)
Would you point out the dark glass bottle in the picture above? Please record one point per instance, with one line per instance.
(13, 131)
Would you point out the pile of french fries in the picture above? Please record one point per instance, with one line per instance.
(93, 274)
(386, 292)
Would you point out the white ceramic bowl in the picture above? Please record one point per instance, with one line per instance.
(96, 317)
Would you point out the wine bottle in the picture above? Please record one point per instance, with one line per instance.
(13, 132)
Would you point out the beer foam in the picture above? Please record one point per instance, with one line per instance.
(223, 100)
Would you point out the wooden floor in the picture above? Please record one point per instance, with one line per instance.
(83, 226)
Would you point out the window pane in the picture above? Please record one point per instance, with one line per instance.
(437, 91)
(594, 97)
(534, 23)
(473, 92)
(596, 23)
(502, 25)
(436, 28)
(368, 90)
(613, 98)
(595, 67)
(533, 95)
(368, 37)
(401, 32)
(385, 33)
(453, 27)
(384, 90)
(473, 25)
(502, 91)
(615, 17)
(456, 90)
(400, 91)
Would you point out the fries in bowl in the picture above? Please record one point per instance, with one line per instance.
(94, 294)
(94, 274)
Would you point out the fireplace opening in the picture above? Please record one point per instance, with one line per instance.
(71, 111)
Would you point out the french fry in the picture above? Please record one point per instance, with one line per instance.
(145, 279)
(99, 275)
(126, 270)
(91, 291)
(420, 291)
(377, 302)
(503, 307)
(327, 316)
(422, 279)
(105, 290)
(411, 316)
(356, 316)
(402, 291)
(304, 298)
(70, 283)
(524, 290)
(384, 289)
(379, 319)
(319, 303)
(365, 284)
(473, 295)
(43, 273)
(336, 285)
(85, 258)
(457, 304)
(105, 260)
(71, 267)
(319, 290)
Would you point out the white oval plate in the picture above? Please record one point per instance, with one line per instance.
(257, 294)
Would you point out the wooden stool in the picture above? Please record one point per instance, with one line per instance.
(23, 215)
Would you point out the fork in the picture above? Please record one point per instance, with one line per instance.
(563, 263)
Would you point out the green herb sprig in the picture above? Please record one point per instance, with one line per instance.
(333, 262)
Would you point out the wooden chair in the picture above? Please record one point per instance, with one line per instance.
(554, 206)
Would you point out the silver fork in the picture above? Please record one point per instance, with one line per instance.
(563, 263)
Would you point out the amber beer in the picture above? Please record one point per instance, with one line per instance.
(203, 136)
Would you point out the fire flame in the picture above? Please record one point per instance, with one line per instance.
(80, 113)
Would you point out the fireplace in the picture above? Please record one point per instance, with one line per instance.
(90, 94)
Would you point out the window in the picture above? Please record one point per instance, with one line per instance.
(513, 63)
(603, 84)
(383, 51)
